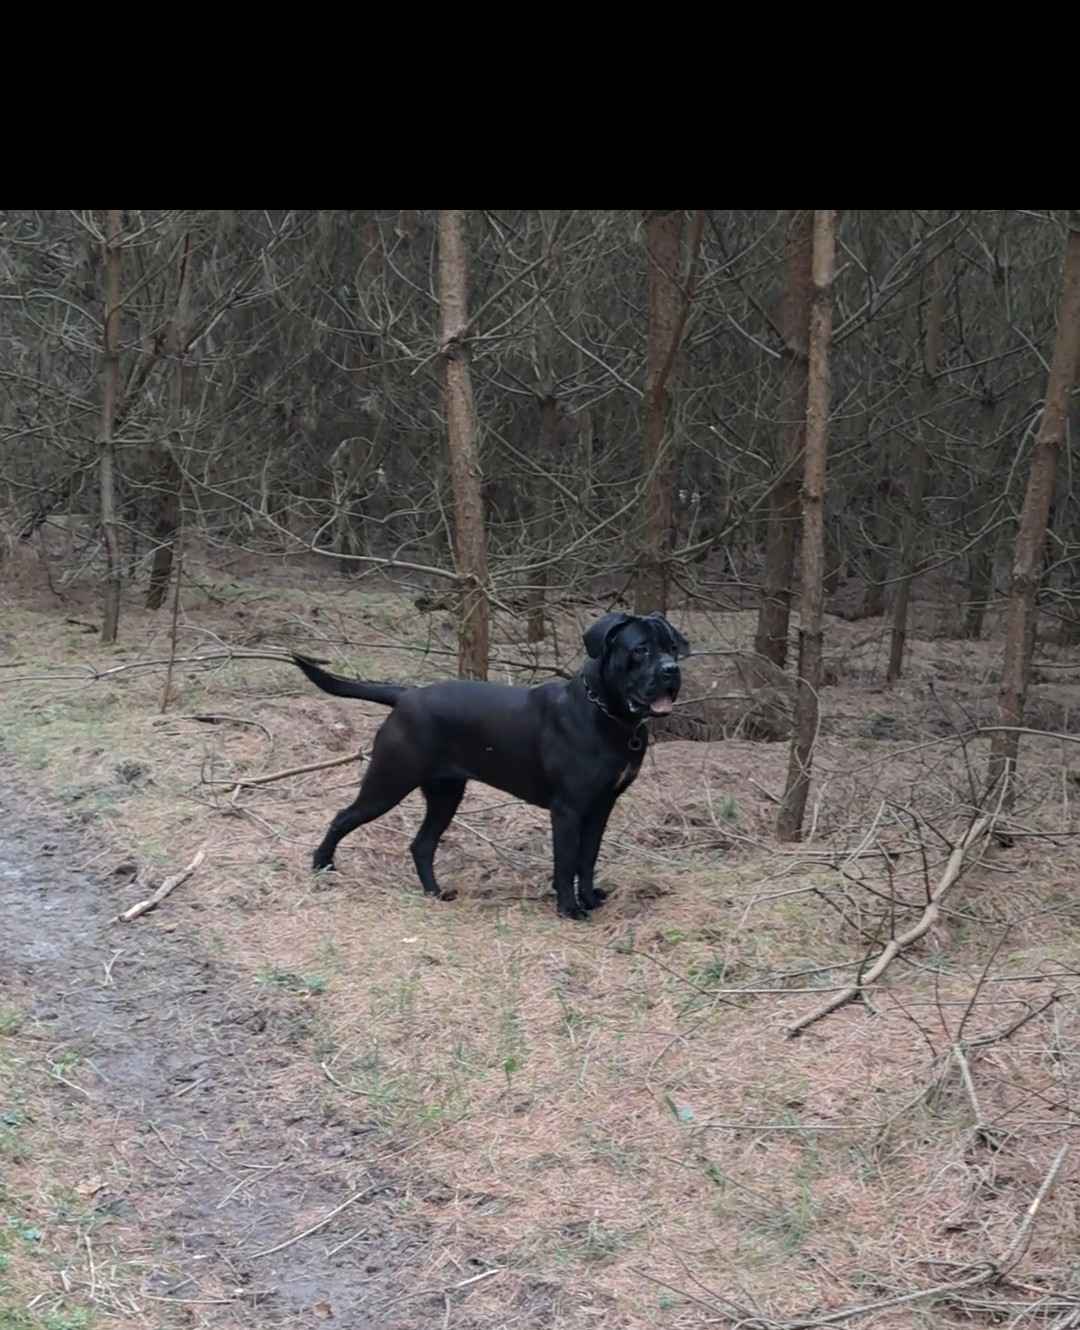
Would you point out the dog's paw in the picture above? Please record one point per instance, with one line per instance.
(318, 866)
(449, 895)
(574, 911)
(595, 899)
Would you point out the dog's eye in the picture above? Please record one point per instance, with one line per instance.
(640, 652)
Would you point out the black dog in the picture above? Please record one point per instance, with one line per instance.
(570, 747)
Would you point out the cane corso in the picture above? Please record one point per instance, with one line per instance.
(570, 747)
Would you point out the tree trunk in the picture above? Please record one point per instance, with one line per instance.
(980, 582)
(920, 465)
(110, 390)
(345, 472)
(1031, 536)
(789, 822)
(470, 541)
(771, 639)
(540, 506)
(879, 528)
(669, 306)
(1069, 623)
(549, 421)
(167, 517)
(982, 554)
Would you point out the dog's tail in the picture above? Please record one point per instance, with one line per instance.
(388, 694)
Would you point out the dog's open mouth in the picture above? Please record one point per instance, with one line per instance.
(661, 706)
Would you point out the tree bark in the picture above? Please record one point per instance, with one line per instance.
(1069, 623)
(110, 389)
(544, 354)
(549, 422)
(1031, 535)
(789, 822)
(470, 540)
(771, 639)
(167, 518)
(920, 466)
(983, 552)
(668, 308)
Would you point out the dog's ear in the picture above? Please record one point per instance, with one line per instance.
(597, 637)
(679, 644)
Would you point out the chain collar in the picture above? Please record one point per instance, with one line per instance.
(636, 742)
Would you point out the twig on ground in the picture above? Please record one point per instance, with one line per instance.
(980, 1129)
(772, 798)
(1019, 1244)
(897, 944)
(292, 771)
(333, 1251)
(445, 1290)
(352, 1089)
(213, 717)
(169, 885)
(982, 1272)
(999, 1036)
(89, 674)
(108, 967)
(354, 1199)
(59, 1076)
(90, 1263)
(244, 1182)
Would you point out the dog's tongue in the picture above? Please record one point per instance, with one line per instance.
(661, 705)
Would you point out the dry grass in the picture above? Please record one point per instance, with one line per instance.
(611, 1115)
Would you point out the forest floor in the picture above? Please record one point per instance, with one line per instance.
(285, 1101)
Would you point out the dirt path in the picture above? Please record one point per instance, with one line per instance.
(189, 1111)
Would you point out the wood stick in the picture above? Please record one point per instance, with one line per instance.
(322, 1223)
(897, 944)
(169, 885)
(213, 717)
(292, 771)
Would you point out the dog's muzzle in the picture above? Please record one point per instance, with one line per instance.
(668, 682)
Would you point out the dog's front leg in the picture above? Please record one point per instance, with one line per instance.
(566, 843)
(592, 833)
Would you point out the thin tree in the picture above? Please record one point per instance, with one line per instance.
(167, 516)
(771, 638)
(999, 443)
(812, 572)
(669, 299)
(920, 466)
(1031, 535)
(543, 355)
(110, 391)
(470, 541)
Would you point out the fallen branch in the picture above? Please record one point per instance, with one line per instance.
(981, 1131)
(767, 794)
(1023, 1236)
(292, 771)
(169, 885)
(982, 1272)
(365, 1094)
(897, 944)
(213, 718)
(364, 1195)
(90, 674)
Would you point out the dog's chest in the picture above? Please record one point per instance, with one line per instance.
(626, 776)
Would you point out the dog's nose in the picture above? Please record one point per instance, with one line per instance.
(669, 670)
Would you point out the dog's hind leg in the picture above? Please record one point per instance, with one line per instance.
(443, 797)
(396, 770)
(366, 807)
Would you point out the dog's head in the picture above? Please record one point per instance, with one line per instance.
(634, 659)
